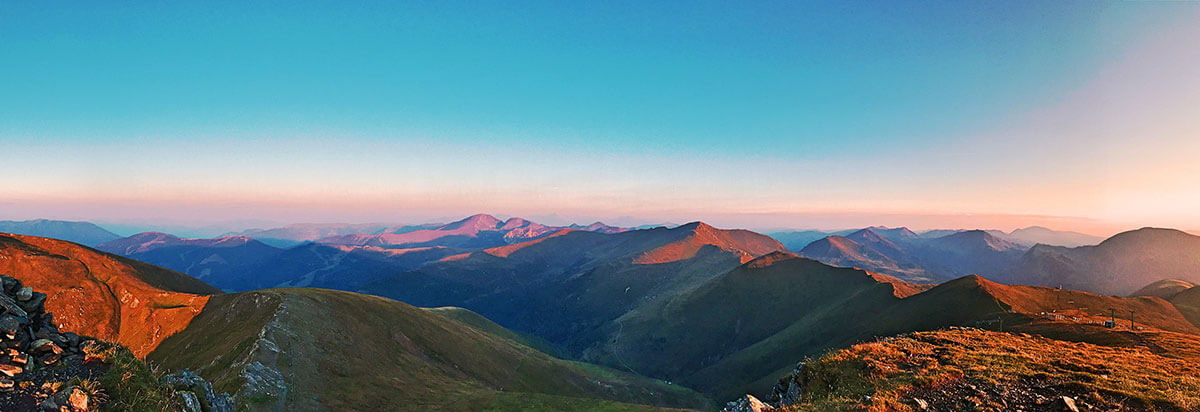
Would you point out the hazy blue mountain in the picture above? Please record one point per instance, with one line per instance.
(84, 233)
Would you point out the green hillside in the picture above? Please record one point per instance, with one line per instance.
(346, 351)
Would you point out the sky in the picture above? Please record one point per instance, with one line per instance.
(1001, 114)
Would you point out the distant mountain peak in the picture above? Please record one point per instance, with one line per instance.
(514, 222)
(696, 226)
(979, 239)
(692, 237)
(869, 235)
(85, 233)
(1147, 234)
(479, 222)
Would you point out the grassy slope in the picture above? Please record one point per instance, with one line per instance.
(1000, 371)
(477, 321)
(1188, 303)
(748, 327)
(219, 340)
(346, 351)
(734, 312)
(1164, 288)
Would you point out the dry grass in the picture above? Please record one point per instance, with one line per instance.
(1001, 369)
(128, 384)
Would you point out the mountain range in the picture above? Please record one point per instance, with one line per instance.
(315, 349)
(1119, 265)
(796, 240)
(917, 259)
(572, 318)
(338, 261)
(475, 232)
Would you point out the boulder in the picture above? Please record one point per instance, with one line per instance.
(9, 325)
(263, 382)
(747, 403)
(35, 304)
(43, 346)
(1064, 404)
(10, 306)
(50, 358)
(24, 294)
(10, 370)
(10, 284)
(789, 388)
(77, 399)
(188, 382)
(69, 399)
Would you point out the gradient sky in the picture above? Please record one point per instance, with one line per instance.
(1075, 115)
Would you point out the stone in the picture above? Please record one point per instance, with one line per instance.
(1064, 404)
(263, 382)
(20, 358)
(72, 339)
(190, 403)
(921, 404)
(24, 294)
(747, 403)
(50, 358)
(223, 403)
(77, 399)
(186, 381)
(70, 399)
(35, 304)
(6, 384)
(10, 306)
(10, 284)
(44, 345)
(10, 370)
(9, 325)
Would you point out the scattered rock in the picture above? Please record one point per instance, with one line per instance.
(35, 304)
(30, 340)
(77, 399)
(190, 403)
(24, 294)
(43, 346)
(10, 370)
(1064, 404)
(920, 404)
(747, 403)
(188, 383)
(262, 382)
(50, 358)
(9, 325)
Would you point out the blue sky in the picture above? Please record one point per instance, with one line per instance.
(678, 110)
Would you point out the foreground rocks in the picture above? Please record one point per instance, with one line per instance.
(197, 394)
(36, 358)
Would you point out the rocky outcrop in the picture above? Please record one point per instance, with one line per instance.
(35, 357)
(747, 403)
(197, 394)
(786, 392)
(263, 385)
